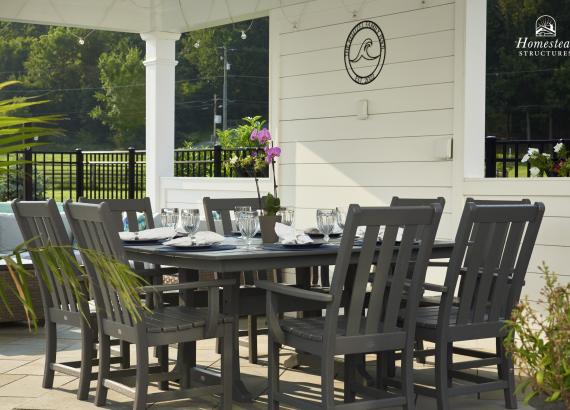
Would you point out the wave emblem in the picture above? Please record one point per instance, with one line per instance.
(364, 52)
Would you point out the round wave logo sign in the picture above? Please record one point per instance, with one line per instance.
(364, 52)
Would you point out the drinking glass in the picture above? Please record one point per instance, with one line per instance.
(190, 221)
(169, 219)
(340, 217)
(326, 219)
(248, 226)
(287, 216)
(237, 211)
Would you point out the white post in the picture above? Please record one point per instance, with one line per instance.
(160, 66)
(474, 88)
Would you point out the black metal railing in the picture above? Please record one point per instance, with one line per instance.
(102, 174)
(503, 158)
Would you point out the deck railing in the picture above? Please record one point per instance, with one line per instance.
(102, 174)
(503, 157)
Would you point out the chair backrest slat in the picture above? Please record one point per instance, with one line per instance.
(388, 295)
(493, 247)
(40, 223)
(92, 224)
(224, 207)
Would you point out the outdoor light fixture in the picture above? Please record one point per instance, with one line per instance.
(243, 35)
(197, 44)
(81, 41)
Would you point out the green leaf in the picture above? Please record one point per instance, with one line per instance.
(553, 397)
(529, 396)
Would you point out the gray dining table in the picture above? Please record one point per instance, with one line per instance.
(230, 263)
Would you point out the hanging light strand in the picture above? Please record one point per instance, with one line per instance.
(355, 11)
(294, 24)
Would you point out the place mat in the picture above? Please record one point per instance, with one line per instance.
(281, 247)
(142, 242)
(212, 248)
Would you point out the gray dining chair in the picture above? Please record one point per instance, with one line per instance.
(359, 330)
(493, 247)
(130, 209)
(41, 224)
(224, 208)
(92, 226)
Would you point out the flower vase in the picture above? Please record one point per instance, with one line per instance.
(267, 226)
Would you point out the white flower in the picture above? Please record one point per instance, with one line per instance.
(534, 172)
(533, 151)
(546, 155)
(558, 147)
(525, 158)
(234, 160)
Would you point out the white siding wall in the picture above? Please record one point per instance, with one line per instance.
(330, 157)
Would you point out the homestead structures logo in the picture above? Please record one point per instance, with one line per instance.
(364, 52)
(546, 44)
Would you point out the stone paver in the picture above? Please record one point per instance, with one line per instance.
(22, 360)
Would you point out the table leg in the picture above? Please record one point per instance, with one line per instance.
(186, 351)
(231, 306)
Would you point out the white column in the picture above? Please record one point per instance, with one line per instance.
(475, 46)
(160, 66)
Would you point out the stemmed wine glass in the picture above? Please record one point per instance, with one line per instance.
(190, 222)
(340, 217)
(287, 216)
(248, 226)
(169, 218)
(326, 219)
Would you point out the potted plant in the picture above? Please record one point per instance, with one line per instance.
(540, 345)
(241, 137)
(543, 164)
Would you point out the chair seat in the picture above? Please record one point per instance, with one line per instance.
(427, 316)
(176, 318)
(313, 328)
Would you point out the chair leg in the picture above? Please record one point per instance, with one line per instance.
(162, 354)
(506, 372)
(51, 348)
(141, 388)
(273, 373)
(420, 346)
(381, 369)
(449, 363)
(327, 381)
(227, 368)
(407, 377)
(125, 351)
(349, 377)
(252, 336)
(86, 368)
(104, 369)
(441, 377)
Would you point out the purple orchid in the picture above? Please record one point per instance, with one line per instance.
(262, 136)
(271, 153)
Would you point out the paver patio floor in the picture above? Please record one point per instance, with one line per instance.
(21, 369)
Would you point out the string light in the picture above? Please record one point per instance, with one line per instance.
(243, 35)
(80, 39)
(197, 44)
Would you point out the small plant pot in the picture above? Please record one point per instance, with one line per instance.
(267, 225)
(538, 402)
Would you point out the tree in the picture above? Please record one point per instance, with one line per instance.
(122, 101)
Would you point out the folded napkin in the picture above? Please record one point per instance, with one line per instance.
(290, 236)
(200, 239)
(361, 230)
(155, 234)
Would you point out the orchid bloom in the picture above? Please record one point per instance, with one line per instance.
(262, 136)
(271, 153)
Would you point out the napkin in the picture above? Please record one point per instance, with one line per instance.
(148, 234)
(361, 230)
(289, 235)
(200, 239)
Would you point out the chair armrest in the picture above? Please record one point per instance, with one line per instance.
(435, 288)
(293, 291)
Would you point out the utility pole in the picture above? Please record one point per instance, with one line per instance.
(225, 92)
(215, 119)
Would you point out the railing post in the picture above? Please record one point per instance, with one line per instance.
(131, 173)
(217, 161)
(28, 175)
(490, 157)
(79, 174)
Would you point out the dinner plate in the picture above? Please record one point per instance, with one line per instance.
(201, 248)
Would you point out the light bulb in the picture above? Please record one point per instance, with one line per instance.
(197, 44)
(243, 35)
(81, 41)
